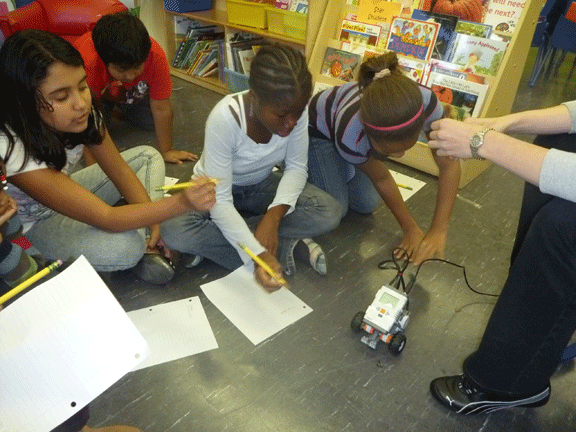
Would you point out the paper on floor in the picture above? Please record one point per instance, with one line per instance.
(174, 330)
(62, 344)
(257, 313)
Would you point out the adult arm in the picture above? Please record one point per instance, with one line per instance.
(388, 190)
(163, 124)
(547, 121)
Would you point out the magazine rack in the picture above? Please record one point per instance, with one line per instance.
(498, 100)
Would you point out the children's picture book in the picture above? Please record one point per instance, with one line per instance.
(454, 112)
(416, 70)
(454, 71)
(340, 64)
(503, 15)
(473, 29)
(477, 55)
(458, 92)
(359, 33)
(412, 38)
(378, 12)
(446, 33)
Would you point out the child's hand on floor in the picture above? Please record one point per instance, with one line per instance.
(177, 156)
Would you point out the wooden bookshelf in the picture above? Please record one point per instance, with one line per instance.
(160, 24)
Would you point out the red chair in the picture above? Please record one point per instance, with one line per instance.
(67, 18)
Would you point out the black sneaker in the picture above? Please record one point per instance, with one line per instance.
(458, 394)
(154, 268)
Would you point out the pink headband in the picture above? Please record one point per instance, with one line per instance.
(400, 126)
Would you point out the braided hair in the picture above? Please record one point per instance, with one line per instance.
(279, 73)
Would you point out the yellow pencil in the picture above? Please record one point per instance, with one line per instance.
(403, 186)
(179, 186)
(30, 281)
(262, 264)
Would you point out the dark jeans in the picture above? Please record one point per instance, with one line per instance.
(535, 315)
(138, 114)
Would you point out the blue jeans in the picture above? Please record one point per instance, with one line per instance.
(535, 315)
(60, 237)
(195, 233)
(331, 173)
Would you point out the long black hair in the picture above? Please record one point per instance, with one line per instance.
(25, 58)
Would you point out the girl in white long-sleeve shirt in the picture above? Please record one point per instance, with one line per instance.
(247, 135)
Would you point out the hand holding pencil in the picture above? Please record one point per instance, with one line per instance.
(200, 194)
(268, 270)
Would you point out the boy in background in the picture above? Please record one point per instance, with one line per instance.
(127, 69)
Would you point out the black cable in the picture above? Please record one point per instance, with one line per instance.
(399, 278)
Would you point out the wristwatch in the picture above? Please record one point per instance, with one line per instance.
(476, 141)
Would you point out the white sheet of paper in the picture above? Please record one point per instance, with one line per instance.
(169, 181)
(174, 330)
(62, 344)
(257, 313)
(405, 180)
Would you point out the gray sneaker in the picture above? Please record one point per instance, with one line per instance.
(154, 268)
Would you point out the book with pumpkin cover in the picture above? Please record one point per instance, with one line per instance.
(477, 55)
(412, 38)
(468, 10)
(446, 33)
(340, 64)
(460, 93)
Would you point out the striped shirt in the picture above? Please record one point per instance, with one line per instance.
(335, 115)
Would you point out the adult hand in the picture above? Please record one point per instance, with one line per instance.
(432, 246)
(452, 138)
(201, 196)
(409, 244)
(263, 278)
(177, 156)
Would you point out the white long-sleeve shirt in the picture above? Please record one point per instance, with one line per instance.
(235, 159)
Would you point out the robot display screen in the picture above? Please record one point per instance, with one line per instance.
(388, 299)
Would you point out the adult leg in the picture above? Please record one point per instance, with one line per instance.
(533, 200)
(531, 324)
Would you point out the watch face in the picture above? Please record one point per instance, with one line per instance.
(475, 141)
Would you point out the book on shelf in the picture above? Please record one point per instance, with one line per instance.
(446, 33)
(378, 12)
(473, 28)
(454, 71)
(477, 55)
(503, 15)
(454, 112)
(300, 6)
(320, 87)
(416, 70)
(203, 57)
(460, 93)
(191, 44)
(340, 64)
(245, 56)
(412, 38)
(239, 40)
(359, 33)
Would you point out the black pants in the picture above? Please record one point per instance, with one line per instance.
(535, 315)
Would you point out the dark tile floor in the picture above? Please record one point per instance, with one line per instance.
(316, 375)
